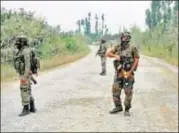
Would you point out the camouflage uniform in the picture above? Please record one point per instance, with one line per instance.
(24, 71)
(130, 51)
(101, 53)
(25, 78)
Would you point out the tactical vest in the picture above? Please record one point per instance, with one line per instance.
(126, 57)
(19, 62)
(102, 49)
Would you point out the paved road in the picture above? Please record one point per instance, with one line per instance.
(76, 98)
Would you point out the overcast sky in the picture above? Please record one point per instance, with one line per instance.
(66, 13)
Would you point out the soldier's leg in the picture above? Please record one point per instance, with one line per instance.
(105, 59)
(103, 65)
(25, 97)
(32, 101)
(116, 91)
(128, 97)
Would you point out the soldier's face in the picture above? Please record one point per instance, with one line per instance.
(124, 38)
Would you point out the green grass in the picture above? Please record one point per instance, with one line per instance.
(56, 48)
(162, 53)
(8, 73)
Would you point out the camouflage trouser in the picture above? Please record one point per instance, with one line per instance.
(25, 89)
(118, 85)
(103, 64)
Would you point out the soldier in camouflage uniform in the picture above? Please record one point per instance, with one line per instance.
(101, 52)
(123, 53)
(23, 68)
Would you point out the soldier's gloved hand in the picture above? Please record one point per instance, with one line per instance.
(35, 82)
(129, 74)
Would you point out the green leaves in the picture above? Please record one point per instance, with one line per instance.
(161, 12)
(54, 42)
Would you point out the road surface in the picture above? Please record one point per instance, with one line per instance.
(76, 98)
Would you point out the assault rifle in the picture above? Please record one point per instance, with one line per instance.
(33, 80)
(124, 66)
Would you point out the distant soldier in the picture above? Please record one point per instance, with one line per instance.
(101, 52)
(25, 66)
(127, 58)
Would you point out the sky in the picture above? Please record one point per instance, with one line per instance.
(66, 13)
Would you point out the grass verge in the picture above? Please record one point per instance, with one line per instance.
(8, 73)
(161, 55)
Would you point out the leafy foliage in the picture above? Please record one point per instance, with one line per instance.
(161, 38)
(85, 26)
(47, 40)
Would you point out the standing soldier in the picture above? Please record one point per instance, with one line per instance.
(22, 64)
(127, 58)
(101, 52)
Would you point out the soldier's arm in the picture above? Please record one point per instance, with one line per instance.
(106, 48)
(98, 50)
(100, 47)
(33, 79)
(38, 63)
(111, 53)
(136, 58)
(27, 62)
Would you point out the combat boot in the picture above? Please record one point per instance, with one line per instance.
(126, 112)
(116, 110)
(25, 111)
(32, 107)
(103, 73)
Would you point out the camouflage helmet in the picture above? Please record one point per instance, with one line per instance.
(21, 39)
(103, 40)
(127, 36)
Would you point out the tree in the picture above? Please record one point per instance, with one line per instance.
(175, 13)
(148, 19)
(158, 13)
(83, 24)
(30, 15)
(154, 13)
(166, 13)
(86, 26)
(22, 11)
(58, 29)
(89, 23)
(106, 29)
(102, 28)
(96, 24)
(79, 25)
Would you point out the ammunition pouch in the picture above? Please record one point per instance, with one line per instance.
(35, 65)
(116, 64)
(127, 63)
(124, 65)
(19, 65)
